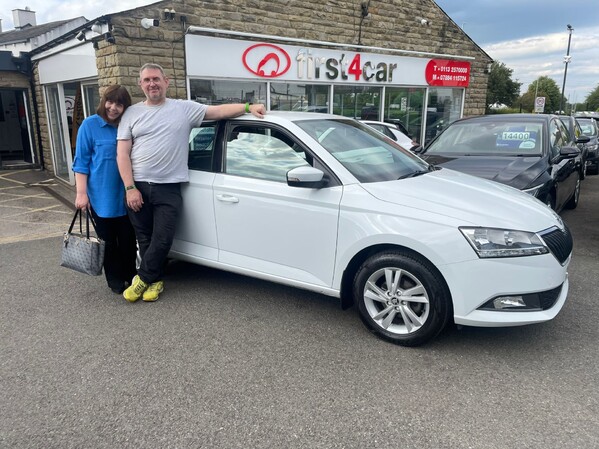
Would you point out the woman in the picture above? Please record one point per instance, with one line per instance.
(100, 189)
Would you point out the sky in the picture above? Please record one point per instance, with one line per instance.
(528, 36)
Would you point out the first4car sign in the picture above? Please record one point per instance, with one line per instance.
(300, 63)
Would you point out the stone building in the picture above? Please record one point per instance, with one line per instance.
(394, 60)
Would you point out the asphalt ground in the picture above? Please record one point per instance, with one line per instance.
(225, 361)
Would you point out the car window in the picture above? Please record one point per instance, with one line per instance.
(262, 152)
(588, 127)
(559, 137)
(577, 130)
(201, 148)
(368, 155)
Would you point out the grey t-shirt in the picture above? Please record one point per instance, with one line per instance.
(160, 137)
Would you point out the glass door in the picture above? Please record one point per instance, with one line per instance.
(58, 125)
(91, 98)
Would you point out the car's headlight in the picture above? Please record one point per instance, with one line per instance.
(493, 242)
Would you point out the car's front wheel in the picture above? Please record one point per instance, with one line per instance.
(401, 299)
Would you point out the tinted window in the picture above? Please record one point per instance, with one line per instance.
(201, 148)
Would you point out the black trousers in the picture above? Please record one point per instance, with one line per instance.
(155, 225)
(121, 249)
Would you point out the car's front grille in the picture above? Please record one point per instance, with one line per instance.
(559, 242)
(548, 298)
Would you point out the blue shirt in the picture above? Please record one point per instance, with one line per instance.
(95, 157)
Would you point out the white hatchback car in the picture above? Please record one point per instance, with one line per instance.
(327, 204)
(391, 131)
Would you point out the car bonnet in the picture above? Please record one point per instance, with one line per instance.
(468, 200)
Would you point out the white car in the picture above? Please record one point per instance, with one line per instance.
(327, 204)
(391, 131)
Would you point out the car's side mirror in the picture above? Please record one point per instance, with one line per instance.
(307, 177)
(568, 152)
(417, 149)
(583, 139)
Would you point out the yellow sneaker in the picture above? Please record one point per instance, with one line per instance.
(153, 291)
(134, 292)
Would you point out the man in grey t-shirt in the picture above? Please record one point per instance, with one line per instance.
(152, 154)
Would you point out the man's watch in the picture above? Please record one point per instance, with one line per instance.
(131, 187)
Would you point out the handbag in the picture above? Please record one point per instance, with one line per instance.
(80, 252)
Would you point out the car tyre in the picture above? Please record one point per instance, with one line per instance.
(593, 169)
(413, 309)
(573, 201)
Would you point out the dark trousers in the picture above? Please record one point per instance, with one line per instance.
(121, 249)
(155, 225)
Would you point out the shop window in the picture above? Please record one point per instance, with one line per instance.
(214, 92)
(444, 107)
(299, 97)
(404, 107)
(360, 102)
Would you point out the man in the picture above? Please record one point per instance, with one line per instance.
(152, 152)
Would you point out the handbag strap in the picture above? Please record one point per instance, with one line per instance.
(88, 217)
(73, 222)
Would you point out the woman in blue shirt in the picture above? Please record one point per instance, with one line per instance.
(100, 189)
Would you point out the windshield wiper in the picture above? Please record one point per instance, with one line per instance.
(414, 174)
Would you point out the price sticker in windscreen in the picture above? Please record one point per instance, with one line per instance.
(515, 135)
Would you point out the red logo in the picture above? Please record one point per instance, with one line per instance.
(266, 60)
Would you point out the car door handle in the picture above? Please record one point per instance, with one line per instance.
(227, 198)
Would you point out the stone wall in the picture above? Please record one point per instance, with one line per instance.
(44, 136)
(393, 24)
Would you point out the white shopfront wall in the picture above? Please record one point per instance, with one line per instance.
(364, 82)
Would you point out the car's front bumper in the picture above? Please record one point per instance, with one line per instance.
(474, 283)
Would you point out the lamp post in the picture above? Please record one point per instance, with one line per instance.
(566, 62)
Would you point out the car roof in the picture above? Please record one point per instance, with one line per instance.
(290, 116)
(508, 118)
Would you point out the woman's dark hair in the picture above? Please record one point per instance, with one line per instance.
(117, 94)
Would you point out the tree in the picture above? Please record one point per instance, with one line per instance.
(543, 86)
(501, 88)
(592, 100)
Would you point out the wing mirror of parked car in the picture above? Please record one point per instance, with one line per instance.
(306, 176)
(583, 139)
(568, 152)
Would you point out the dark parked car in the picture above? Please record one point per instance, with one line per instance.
(590, 128)
(533, 153)
(579, 138)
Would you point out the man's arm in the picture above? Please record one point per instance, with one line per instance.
(223, 111)
(123, 160)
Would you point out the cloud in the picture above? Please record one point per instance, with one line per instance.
(543, 55)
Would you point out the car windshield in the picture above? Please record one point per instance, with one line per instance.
(367, 154)
(489, 138)
(588, 127)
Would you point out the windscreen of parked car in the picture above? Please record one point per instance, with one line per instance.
(588, 126)
(489, 138)
(367, 154)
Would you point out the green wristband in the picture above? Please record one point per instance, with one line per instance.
(131, 187)
(247, 108)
